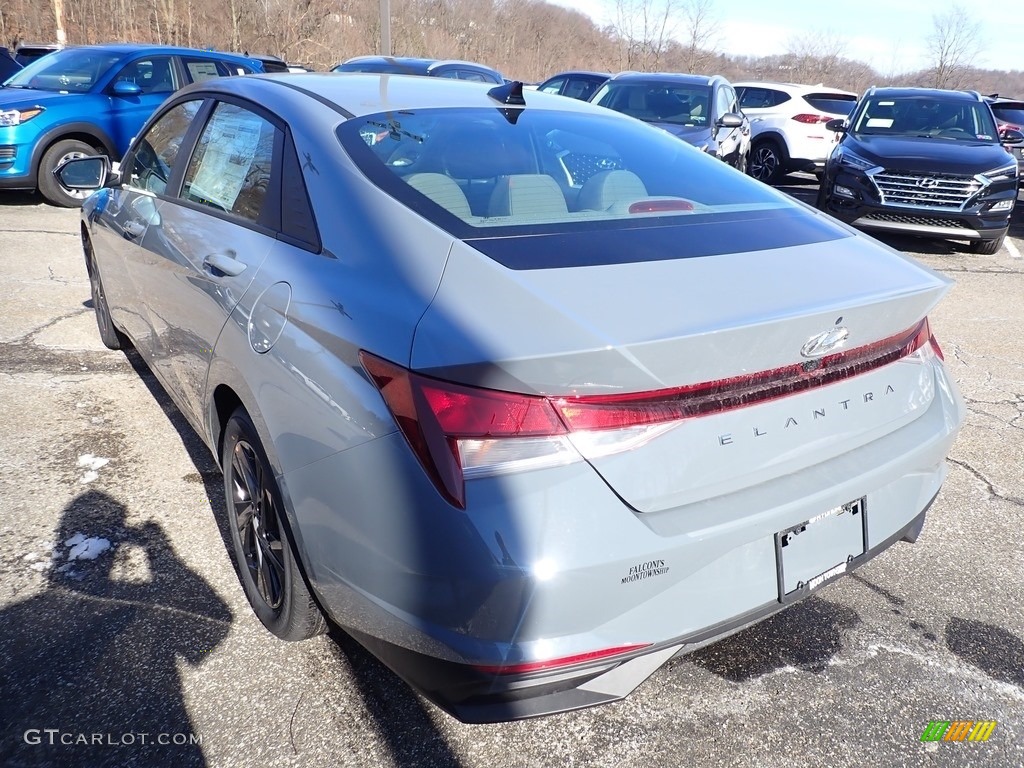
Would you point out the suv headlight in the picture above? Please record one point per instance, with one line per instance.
(1002, 173)
(856, 161)
(12, 117)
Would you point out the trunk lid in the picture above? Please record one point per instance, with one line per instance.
(655, 325)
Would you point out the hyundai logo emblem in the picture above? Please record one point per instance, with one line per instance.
(825, 342)
(928, 183)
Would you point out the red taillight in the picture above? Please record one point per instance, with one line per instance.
(564, 661)
(811, 119)
(435, 415)
(620, 411)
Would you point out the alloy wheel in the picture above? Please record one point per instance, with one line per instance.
(256, 518)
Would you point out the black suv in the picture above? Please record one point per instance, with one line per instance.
(407, 65)
(1009, 116)
(923, 162)
(701, 110)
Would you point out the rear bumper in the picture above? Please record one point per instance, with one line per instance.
(473, 697)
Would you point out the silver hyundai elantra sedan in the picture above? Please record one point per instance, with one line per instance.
(525, 395)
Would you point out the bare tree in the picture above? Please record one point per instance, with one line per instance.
(644, 29)
(816, 56)
(700, 39)
(954, 45)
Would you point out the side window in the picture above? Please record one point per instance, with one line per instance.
(204, 69)
(580, 89)
(231, 166)
(476, 77)
(155, 75)
(156, 153)
(722, 102)
(554, 86)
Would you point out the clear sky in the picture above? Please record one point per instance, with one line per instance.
(888, 34)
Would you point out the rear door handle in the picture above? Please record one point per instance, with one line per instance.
(226, 265)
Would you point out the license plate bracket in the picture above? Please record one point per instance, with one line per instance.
(818, 550)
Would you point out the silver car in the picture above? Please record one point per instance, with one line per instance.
(526, 395)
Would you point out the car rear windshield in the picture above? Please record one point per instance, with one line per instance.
(478, 171)
(833, 103)
(926, 117)
(1010, 113)
(72, 69)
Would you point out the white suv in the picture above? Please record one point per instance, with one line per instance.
(787, 125)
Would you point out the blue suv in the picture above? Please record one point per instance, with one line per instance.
(91, 100)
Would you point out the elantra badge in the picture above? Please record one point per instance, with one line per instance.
(825, 342)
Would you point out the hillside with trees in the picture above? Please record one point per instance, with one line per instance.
(525, 39)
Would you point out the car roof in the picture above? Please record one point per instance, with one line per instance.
(414, 62)
(364, 93)
(897, 92)
(156, 48)
(798, 88)
(577, 72)
(666, 77)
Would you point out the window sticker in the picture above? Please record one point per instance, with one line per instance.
(201, 70)
(229, 154)
(880, 122)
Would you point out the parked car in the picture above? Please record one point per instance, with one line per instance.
(923, 162)
(575, 85)
(1009, 114)
(787, 124)
(270, 63)
(407, 65)
(26, 53)
(90, 99)
(8, 66)
(508, 386)
(700, 110)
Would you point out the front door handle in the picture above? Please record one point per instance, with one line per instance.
(226, 265)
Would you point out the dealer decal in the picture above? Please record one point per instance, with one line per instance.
(645, 571)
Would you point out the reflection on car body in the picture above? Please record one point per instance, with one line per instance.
(499, 387)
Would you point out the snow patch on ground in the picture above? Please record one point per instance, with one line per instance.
(91, 464)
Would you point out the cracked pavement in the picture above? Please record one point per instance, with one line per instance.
(155, 632)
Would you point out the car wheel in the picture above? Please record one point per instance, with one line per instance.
(988, 247)
(767, 163)
(49, 187)
(263, 550)
(109, 335)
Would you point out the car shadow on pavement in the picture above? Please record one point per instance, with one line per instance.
(396, 710)
(21, 198)
(90, 663)
(993, 650)
(400, 717)
(806, 636)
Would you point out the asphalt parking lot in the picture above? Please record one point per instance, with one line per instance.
(147, 654)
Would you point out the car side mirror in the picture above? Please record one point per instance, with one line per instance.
(87, 173)
(1011, 137)
(730, 120)
(125, 88)
(838, 125)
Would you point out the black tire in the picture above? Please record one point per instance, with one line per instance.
(109, 335)
(263, 550)
(767, 161)
(821, 201)
(49, 187)
(988, 247)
